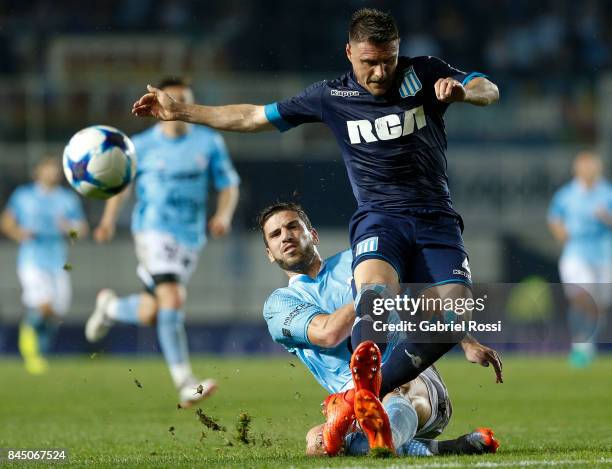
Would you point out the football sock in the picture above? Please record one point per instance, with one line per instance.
(125, 309)
(45, 330)
(582, 325)
(403, 419)
(173, 341)
(368, 310)
(414, 448)
(407, 360)
(470, 443)
(356, 444)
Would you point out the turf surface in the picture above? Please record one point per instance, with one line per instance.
(544, 414)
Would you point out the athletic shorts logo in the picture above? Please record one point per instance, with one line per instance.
(410, 84)
(367, 245)
(466, 272)
(344, 93)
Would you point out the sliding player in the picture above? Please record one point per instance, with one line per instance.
(312, 318)
(580, 217)
(175, 162)
(387, 115)
(40, 217)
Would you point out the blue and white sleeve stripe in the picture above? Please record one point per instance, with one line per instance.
(274, 117)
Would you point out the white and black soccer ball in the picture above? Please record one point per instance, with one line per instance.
(99, 161)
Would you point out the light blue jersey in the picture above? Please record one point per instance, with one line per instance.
(43, 213)
(172, 181)
(288, 312)
(576, 207)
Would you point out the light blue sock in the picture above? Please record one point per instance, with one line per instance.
(125, 310)
(414, 448)
(403, 419)
(173, 341)
(46, 329)
(356, 444)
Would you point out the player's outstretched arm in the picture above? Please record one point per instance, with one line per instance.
(479, 91)
(236, 117)
(329, 330)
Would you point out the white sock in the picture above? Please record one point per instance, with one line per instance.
(181, 374)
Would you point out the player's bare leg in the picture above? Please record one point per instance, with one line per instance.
(137, 309)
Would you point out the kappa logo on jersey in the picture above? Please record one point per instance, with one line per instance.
(367, 245)
(344, 93)
(386, 127)
(410, 84)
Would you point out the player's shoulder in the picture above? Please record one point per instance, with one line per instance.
(144, 135)
(67, 194)
(20, 193)
(279, 297)
(343, 259)
(206, 134)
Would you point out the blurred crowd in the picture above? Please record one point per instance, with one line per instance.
(541, 38)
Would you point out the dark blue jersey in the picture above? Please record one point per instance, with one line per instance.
(393, 145)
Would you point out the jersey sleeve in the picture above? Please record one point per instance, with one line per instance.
(438, 68)
(556, 210)
(303, 108)
(74, 209)
(223, 173)
(288, 318)
(14, 203)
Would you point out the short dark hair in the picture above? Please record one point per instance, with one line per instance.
(371, 25)
(173, 81)
(270, 210)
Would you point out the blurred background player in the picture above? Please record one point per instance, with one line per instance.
(312, 318)
(175, 161)
(40, 216)
(580, 218)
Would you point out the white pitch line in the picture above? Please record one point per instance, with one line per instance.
(521, 463)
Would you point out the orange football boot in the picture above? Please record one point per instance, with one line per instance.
(338, 409)
(373, 420)
(365, 367)
(487, 436)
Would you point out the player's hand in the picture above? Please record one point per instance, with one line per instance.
(485, 356)
(156, 103)
(449, 90)
(104, 233)
(22, 235)
(219, 226)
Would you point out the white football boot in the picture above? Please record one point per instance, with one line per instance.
(99, 323)
(196, 391)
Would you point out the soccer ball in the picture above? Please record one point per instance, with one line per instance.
(99, 161)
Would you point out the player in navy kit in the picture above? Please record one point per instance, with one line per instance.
(387, 116)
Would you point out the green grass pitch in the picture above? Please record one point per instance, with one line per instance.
(544, 414)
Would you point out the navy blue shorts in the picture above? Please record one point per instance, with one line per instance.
(424, 247)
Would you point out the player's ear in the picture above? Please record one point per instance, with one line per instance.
(270, 256)
(315, 237)
(348, 51)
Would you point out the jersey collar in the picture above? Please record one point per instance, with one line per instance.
(306, 278)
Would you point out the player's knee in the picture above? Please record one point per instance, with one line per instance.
(147, 310)
(46, 310)
(170, 295)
